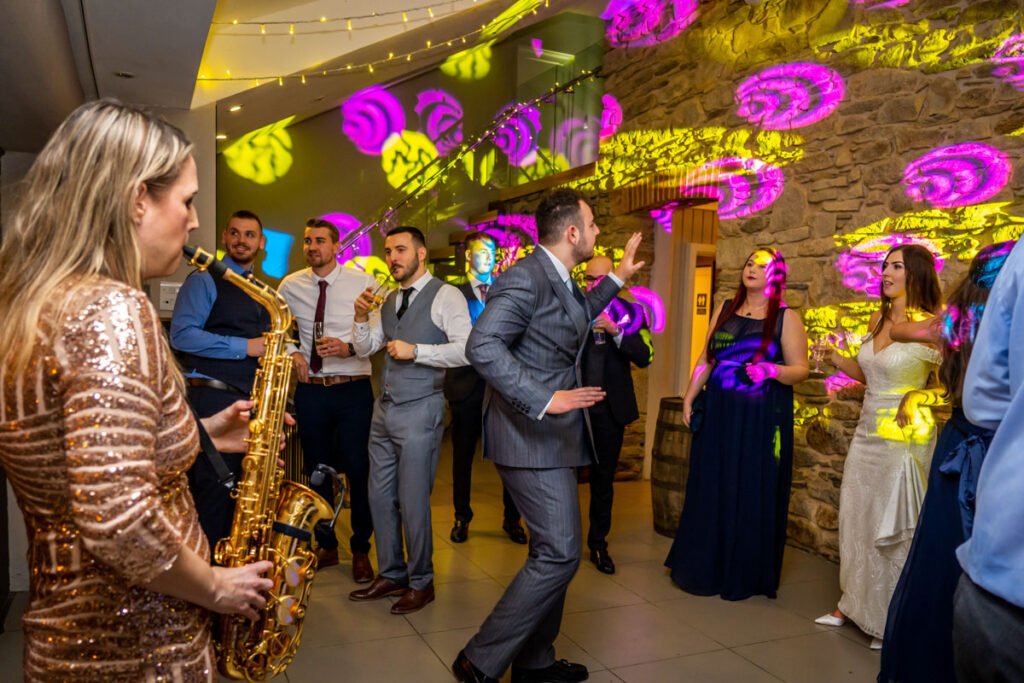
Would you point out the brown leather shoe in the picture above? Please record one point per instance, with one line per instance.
(380, 588)
(414, 600)
(362, 570)
(326, 558)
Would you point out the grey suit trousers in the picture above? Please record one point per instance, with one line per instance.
(405, 439)
(522, 628)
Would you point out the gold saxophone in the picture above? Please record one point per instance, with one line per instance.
(274, 519)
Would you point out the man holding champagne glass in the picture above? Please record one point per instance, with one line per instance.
(334, 398)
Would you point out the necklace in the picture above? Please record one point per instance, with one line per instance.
(751, 309)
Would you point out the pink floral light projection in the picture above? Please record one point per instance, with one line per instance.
(663, 216)
(653, 307)
(441, 117)
(1010, 60)
(861, 266)
(958, 175)
(879, 4)
(369, 117)
(790, 96)
(741, 185)
(517, 136)
(641, 23)
(611, 116)
(347, 224)
(576, 139)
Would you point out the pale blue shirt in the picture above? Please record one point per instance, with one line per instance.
(191, 311)
(993, 398)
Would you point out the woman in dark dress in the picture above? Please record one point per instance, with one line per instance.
(918, 643)
(733, 527)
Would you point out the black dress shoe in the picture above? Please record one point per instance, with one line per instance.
(467, 673)
(602, 560)
(559, 672)
(460, 532)
(515, 532)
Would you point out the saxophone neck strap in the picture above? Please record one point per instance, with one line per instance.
(224, 476)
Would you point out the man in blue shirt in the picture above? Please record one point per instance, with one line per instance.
(217, 332)
(988, 629)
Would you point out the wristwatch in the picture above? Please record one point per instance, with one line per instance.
(351, 349)
(415, 351)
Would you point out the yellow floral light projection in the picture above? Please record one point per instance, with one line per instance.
(404, 155)
(471, 64)
(629, 156)
(263, 155)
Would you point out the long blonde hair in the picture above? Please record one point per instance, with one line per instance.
(74, 219)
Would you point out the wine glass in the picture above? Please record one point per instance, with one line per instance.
(385, 283)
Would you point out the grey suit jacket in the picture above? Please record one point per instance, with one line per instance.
(527, 344)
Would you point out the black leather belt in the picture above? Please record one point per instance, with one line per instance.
(211, 383)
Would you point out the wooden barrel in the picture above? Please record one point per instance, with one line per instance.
(670, 465)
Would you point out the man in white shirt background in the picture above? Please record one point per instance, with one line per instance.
(423, 326)
(334, 397)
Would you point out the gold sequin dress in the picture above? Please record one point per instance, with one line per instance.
(96, 438)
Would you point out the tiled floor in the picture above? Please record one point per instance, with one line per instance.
(634, 626)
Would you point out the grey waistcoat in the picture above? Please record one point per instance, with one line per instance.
(406, 380)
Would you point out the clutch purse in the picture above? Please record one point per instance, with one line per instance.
(697, 413)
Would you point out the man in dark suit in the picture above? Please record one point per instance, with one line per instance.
(619, 337)
(527, 345)
(464, 389)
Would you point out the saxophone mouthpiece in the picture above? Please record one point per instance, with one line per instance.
(204, 260)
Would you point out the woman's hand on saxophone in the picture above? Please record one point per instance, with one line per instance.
(229, 428)
(239, 590)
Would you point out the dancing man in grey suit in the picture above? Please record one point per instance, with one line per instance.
(527, 344)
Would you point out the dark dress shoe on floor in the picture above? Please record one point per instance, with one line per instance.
(559, 672)
(414, 600)
(326, 558)
(460, 532)
(362, 570)
(467, 673)
(380, 588)
(602, 560)
(515, 532)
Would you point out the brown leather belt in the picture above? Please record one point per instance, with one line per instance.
(331, 380)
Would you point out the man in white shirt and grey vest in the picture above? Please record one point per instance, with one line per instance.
(424, 326)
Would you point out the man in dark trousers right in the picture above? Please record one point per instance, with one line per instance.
(464, 389)
(527, 345)
(615, 342)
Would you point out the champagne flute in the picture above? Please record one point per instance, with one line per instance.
(318, 333)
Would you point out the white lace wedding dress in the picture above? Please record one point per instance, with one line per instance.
(883, 483)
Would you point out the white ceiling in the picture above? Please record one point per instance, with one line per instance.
(55, 54)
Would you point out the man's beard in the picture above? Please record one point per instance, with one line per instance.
(581, 253)
(413, 267)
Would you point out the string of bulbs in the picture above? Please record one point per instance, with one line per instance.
(369, 66)
(439, 167)
(347, 20)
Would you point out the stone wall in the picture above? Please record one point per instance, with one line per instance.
(916, 78)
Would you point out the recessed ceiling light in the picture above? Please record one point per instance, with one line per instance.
(235, 107)
(221, 136)
(124, 74)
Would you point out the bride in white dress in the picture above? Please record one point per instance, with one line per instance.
(887, 464)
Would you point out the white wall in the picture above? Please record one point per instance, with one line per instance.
(200, 125)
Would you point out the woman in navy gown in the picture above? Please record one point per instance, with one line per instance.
(918, 643)
(733, 526)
